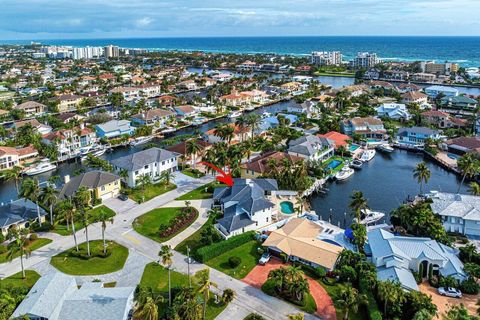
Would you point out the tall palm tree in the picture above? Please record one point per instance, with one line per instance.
(204, 286)
(147, 310)
(167, 176)
(253, 122)
(82, 200)
(422, 174)
(166, 255)
(123, 173)
(13, 174)
(19, 244)
(389, 292)
(143, 180)
(228, 295)
(193, 147)
(225, 132)
(104, 217)
(358, 203)
(351, 300)
(474, 188)
(30, 189)
(469, 166)
(68, 211)
(48, 196)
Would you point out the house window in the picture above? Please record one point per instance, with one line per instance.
(146, 167)
(102, 188)
(163, 162)
(136, 172)
(267, 219)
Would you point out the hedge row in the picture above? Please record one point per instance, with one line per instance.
(214, 250)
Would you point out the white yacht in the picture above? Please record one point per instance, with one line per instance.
(234, 114)
(41, 167)
(168, 130)
(369, 216)
(95, 151)
(141, 140)
(250, 107)
(266, 115)
(368, 155)
(385, 148)
(344, 174)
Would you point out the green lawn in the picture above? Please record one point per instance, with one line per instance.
(156, 277)
(151, 191)
(194, 240)
(334, 293)
(149, 223)
(17, 281)
(247, 252)
(203, 192)
(73, 263)
(340, 167)
(61, 228)
(34, 245)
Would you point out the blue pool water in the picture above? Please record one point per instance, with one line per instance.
(335, 163)
(453, 156)
(353, 147)
(287, 207)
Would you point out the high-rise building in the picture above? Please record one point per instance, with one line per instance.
(87, 53)
(111, 52)
(326, 58)
(364, 60)
(438, 68)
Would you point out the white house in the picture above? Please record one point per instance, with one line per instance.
(459, 212)
(312, 148)
(396, 111)
(434, 91)
(152, 162)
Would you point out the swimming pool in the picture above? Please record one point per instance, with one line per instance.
(353, 147)
(333, 164)
(286, 207)
(453, 156)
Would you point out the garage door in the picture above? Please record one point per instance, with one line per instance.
(107, 195)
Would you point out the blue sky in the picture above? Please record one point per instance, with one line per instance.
(53, 19)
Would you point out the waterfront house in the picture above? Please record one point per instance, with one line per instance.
(167, 101)
(260, 166)
(312, 148)
(31, 108)
(460, 213)
(365, 127)
(307, 108)
(158, 117)
(339, 139)
(423, 77)
(434, 91)
(56, 296)
(235, 99)
(462, 145)
(442, 120)
(414, 97)
(299, 240)
(152, 162)
(292, 86)
(396, 257)
(181, 149)
(19, 214)
(70, 116)
(246, 206)
(69, 141)
(408, 87)
(395, 111)
(68, 102)
(273, 122)
(39, 127)
(102, 185)
(185, 111)
(416, 135)
(461, 105)
(10, 157)
(240, 134)
(114, 129)
(128, 93)
(189, 85)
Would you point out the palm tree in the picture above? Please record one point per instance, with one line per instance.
(30, 189)
(82, 200)
(228, 295)
(67, 210)
(167, 176)
(225, 132)
(147, 310)
(13, 174)
(166, 255)
(253, 122)
(351, 300)
(104, 217)
(474, 188)
(469, 166)
(19, 244)
(357, 204)
(143, 180)
(187, 305)
(204, 285)
(193, 147)
(422, 174)
(296, 316)
(390, 292)
(123, 173)
(48, 196)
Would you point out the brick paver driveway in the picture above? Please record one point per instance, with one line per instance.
(325, 308)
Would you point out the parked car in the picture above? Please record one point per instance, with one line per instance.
(450, 292)
(123, 197)
(264, 258)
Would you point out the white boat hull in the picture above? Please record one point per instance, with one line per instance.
(33, 172)
(344, 174)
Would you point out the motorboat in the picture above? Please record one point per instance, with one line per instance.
(344, 174)
(266, 115)
(356, 164)
(250, 108)
(169, 130)
(234, 114)
(368, 155)
(95, 151)
(369, 216)
(385, 148)
(41, 167)
(141, 140)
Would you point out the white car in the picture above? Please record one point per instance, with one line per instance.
(264, 258)
(450, 292)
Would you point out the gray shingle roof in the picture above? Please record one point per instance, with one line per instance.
(91, 180)
(309, 145)
(18, 211)
(140, 159)
(113, 125)
(456, 205)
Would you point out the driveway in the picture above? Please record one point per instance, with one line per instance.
(445, 303)
(325, 308)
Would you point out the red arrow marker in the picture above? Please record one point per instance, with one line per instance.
(225, 178)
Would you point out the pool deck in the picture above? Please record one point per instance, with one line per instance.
(278, 209)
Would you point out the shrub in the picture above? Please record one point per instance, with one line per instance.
(2, 238)
(373, 311)
(33, 237)
(433, 281)
(418, 277)
(3, 249)
(469, 286)
(284, 257)
(234, 261)
(254, 316)
(208, 252)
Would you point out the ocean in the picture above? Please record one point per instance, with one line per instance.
(463, 50)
